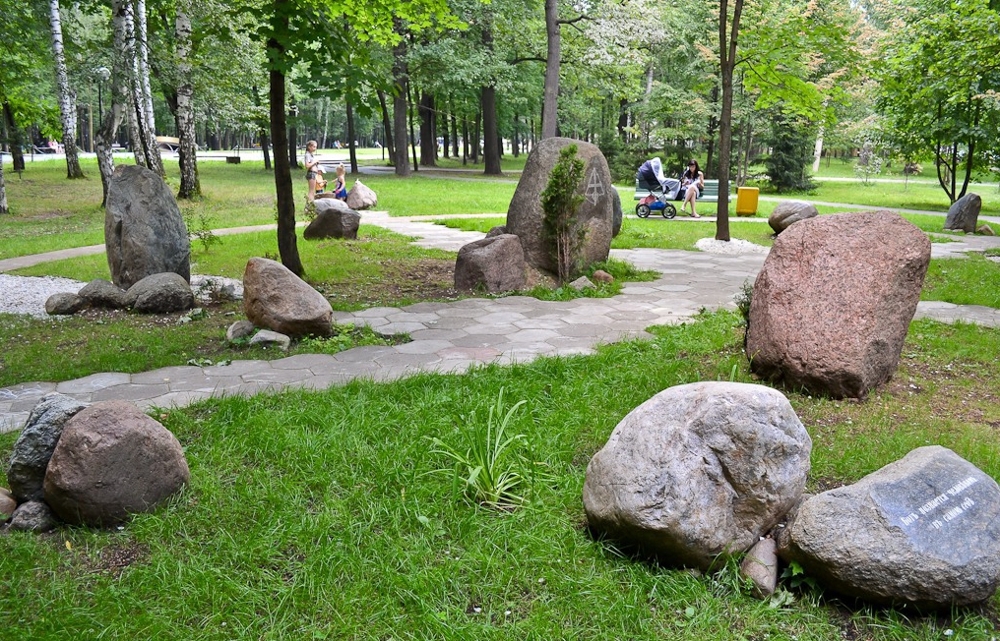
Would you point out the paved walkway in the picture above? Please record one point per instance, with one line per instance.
(453, 337)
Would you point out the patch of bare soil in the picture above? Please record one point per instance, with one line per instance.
(410, 282)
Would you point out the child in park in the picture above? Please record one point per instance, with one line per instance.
(340, 186)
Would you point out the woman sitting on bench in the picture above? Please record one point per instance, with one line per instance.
(692, 184)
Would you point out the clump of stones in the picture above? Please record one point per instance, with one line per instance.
(92, 465)
(706, 472)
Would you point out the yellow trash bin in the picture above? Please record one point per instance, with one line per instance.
(746, 201)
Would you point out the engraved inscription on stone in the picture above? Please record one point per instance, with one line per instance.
(925, 516)
(595, 188)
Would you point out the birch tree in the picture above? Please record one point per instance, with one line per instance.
(66, 95)
(4, 209)
(187, 158)
(143, 92)
(118, 96)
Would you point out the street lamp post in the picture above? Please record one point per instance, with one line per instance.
(103, 73)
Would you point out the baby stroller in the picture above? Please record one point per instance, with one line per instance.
(661, 189)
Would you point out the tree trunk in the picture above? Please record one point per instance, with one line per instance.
(515, 143)
(351, 136)
(287, 248)
(67, 99)
(550, 104)
(186, 150)
(14, 137)
(491, 145)
(147, 122)
(293, 137)
(428, 132)
(105, 136)
(454, 133)
(265, 148)
(4, 209)
(413, 137)
(465, 141)
(623, 119)
(387, 128)
(445, 135)
(476, 137)
(400, 89)
(727, 61)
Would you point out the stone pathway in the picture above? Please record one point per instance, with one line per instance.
(453, 337)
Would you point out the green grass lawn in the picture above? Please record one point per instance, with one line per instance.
(320, 515)
(329, 515)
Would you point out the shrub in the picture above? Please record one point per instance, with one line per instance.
(560, 201)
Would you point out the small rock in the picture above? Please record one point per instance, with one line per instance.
(103, 293)
(33, 516)
(602, 276)
(581, 284)
(267, 338)
(985, 230)
(239, 329)
(64, 304)
(7, 502)
(760, 566)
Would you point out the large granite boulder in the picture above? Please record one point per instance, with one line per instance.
(334, 219)
(112, 461)
(922, 531)
(833, 301)
(35, 444)
(595, 216)
(274, 298)
(963, 215)
(788, 212)
(360, 196)
(495, 264)
(699, 472)
(144, 232)
(160, 294)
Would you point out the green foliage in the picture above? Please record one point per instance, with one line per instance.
(492, 469)
(743, 299)
(869, 164)
(937, 84)
(560, 200)
(791, 142)
(201, 230)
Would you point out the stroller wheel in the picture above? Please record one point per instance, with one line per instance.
(642, 211)
(669, 211)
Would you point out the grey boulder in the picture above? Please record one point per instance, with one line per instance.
(699, 472)
(788, 212)
(33, 516)
(923, 531)
(64, 304)
(144, 232)
(161, 293)
(103, 293)
(594, 217)
(35, 444)
(963, 215)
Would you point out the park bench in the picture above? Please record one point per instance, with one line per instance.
(230, 159)
(710, 194)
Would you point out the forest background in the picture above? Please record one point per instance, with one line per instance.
(909, 86)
